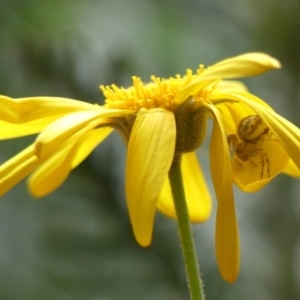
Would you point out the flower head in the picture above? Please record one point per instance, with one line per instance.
(157, 121)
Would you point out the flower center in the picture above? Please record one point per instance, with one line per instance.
(190, 116)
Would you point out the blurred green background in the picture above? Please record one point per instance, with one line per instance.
(77, 243)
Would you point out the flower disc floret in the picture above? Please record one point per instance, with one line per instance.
(159, 93)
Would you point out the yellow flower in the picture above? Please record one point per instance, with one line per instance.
(158, 120)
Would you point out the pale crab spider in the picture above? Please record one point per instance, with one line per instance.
(252, 131)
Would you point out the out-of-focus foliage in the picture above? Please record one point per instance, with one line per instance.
(77, 242)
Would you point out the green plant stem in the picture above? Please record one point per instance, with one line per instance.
(185, 232)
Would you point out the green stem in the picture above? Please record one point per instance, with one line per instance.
(185, 232)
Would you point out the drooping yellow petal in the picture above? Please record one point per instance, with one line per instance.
(196, 191)
(88, 143)
(56, 169)
(71, 127)
(261, 168)
(17, 168)
(244, 65)
(226, 238)
(291, 169)
(52, 173)
(150, 153)
(12, 130)
(29, 109)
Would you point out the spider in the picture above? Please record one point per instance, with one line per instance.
(252, 132)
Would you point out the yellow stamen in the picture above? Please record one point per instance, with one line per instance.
(159, 93)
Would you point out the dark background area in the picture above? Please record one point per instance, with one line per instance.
(77, 243)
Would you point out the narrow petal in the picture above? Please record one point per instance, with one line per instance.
(231, 97)
(52, 173)
(244, 65)
(12, 130)
(227, 239)
(71, 127)
(23, 110)
(232, 85)
(150, 154)
(197, 193)
(192, 89)
(88, 143)
(17, 168)
(56, 169)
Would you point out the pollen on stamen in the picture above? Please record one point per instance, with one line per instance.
(158, 93)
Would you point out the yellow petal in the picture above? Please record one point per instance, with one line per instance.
(244, 65)
(52, 173)
(88, 143)
(232, 85)
(252, 175)
(17, 168)
(150, 154)
(227, 239)
(71, 127)
(291, 169)
(233, 102)
(24, 110)
(12, 130)
(192, 89)
(56, 169)
(197, 194)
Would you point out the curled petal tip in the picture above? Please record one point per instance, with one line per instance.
(143, 242)
(230, 280)
(268, 61)
(261, 58)
(275, 63)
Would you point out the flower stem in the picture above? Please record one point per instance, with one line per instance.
(185, 232)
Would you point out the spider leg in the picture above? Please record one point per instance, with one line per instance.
(262, 161)
(267, 163)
